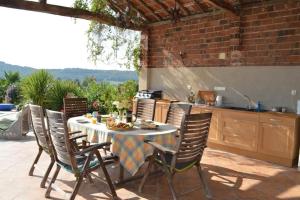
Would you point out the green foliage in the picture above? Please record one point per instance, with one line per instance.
(103, 92)
(58, 91)
(9, 83)
(11, 77)
(124, 43)
(127, 90)
(42, 89)
(2, 89)
(35, 87)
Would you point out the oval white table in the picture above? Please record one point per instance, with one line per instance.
(128, 145)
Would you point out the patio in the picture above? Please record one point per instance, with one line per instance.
(230, 177)
(232, 49)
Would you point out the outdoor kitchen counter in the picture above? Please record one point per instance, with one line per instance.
(269, 136)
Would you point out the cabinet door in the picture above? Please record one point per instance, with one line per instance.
(213, 135)
(164, 112)
(158, 112)
(276, 139)
(239, 130)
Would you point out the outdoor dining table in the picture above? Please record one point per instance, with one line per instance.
(128, 145)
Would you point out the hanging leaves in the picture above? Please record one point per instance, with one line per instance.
(110, 44)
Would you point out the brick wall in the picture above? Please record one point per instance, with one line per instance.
(269, 35)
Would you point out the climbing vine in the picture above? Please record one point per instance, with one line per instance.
(110, 44)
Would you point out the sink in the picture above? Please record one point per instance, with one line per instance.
(244, 109)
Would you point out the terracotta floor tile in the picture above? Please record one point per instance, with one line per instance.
(230, 177)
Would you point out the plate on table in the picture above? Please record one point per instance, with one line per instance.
(119, 126)
(82, 121)
(150, 125)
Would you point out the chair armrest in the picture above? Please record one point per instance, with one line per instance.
(74, 132)
(92, 148)
(77, 136)
(161, 148)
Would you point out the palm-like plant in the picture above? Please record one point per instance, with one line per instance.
(58, 91)
(11, 77)
(36, 86)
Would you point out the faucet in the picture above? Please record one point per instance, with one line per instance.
(250, 102)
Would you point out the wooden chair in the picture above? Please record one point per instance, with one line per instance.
(193, 138)
(145, 109)
(42, 139)
(74, 107)
(176, 112)
(80, 163)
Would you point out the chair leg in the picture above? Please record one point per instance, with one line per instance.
(76, 187)
(47, 194)
(35, 161)
(108, 180)
(90, 179)
(43, 183)
(204, 182)
(170, 183)
(148, 170)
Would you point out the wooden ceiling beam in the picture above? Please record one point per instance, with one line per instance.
(200, 6)
(136, 9)
(159, 18)
(115, 7)
(222, 5)
(184, 9)
(163, 6)
(67, 12)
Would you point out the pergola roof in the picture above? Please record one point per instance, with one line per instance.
(136, 14)
(163, 10)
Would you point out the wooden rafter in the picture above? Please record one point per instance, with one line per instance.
(163, 6)
(136, 9)
(222, 5)
(200, 6)
(66, 11)
(151, 10)
(184, 9)
(115, 7)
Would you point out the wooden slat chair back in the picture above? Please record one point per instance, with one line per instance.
(193, 137)
(60, 139)
(42, 139)
(145, 109)
(80, 163)
(176, 113)
(74, 107)
(192, 142)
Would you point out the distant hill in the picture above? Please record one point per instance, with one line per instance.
(74, 73)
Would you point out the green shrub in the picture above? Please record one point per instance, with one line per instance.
(58, 91)
(10, 83)
(104, 93)
(35, 87)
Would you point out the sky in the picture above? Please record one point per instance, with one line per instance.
(41, 40)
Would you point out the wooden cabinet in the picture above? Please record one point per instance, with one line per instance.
(266, 136)
(161, 111)
(239, 130)
(277, 136)
(214, 124)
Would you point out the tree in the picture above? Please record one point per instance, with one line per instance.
(36, 86)
(11, 77)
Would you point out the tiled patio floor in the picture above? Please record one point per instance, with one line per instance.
(231, 177)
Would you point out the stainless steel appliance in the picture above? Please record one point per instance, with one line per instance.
(149, 94)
